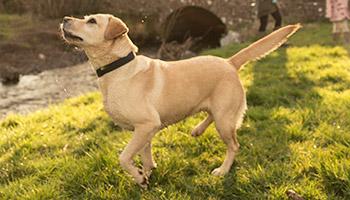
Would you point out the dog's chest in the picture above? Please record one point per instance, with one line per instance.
(115, 105)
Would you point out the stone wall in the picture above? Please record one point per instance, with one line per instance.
(234, 13)
(303, 11)
(237, 15)
(147, 15)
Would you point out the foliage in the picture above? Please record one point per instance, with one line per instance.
(50, 8)
(295, 136)
(9, 21)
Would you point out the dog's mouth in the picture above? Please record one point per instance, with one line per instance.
(70, 36)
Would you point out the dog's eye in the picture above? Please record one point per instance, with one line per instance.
(92, 21)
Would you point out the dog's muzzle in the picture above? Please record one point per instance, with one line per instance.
(66, 24)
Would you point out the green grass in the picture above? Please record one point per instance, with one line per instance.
(296, 135)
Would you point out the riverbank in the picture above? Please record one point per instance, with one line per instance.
(38, 68)
(295, 136)
(30, 45)
(49, 87)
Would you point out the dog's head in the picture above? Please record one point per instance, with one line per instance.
(93, 30)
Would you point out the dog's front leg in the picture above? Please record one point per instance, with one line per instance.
(147, 159)
(142, 135)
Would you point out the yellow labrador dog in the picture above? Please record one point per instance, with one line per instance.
(145, 95)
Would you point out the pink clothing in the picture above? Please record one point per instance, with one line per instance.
(337, 10)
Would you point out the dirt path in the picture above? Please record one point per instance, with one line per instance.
(52, 86)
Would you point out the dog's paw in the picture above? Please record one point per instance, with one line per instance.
(148, 172)
(197, 132)
(144, 183)
(152, 166)
(219, 172)
(148, 169)
(142, 180)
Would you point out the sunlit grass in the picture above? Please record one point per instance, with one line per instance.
(296, 135)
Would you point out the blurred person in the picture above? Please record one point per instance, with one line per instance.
(338, 13)
(266, 8)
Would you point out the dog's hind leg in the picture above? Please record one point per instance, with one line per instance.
(226, 124)
(227, 132)
(228, 110)
(202, 126)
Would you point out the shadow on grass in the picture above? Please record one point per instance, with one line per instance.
(264, 143)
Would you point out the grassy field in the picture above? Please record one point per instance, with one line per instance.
(296, 135)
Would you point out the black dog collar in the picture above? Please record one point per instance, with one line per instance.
(115, 65)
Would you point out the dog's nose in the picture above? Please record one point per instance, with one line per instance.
(66, 20)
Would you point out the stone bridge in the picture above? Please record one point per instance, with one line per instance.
(149, 18)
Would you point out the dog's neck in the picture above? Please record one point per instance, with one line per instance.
(110, 52)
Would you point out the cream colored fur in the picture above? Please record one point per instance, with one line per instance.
(147, 94)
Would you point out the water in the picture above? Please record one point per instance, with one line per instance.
(38, 91)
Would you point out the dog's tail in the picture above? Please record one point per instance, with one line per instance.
(263, 46)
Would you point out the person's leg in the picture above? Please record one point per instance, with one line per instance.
(278, 19)
(336, 33)
(263, 23)
(346, 32)
(278, 22)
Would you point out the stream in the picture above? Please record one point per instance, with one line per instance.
(38, 91)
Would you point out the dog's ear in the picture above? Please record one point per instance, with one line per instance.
(115, 28)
